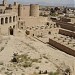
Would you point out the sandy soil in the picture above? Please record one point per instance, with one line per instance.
(51, 58)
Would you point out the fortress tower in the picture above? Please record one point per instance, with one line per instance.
(20, 10)
(5, 3)
(15, 3)
(34, 10)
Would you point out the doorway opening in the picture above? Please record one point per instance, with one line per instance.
(11, 31)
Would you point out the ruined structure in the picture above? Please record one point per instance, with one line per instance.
(22, 16)
(50, 31)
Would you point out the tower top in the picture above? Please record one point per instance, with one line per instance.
(5, 2)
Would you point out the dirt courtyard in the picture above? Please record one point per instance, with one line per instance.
(42, 57)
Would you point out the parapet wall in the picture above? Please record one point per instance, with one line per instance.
(62, 47)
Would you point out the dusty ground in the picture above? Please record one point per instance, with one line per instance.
(49, 58)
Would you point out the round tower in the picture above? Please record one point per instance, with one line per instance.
(34, 10)
(20, 10)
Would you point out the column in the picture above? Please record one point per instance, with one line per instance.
(8, 19)
(4, 20)
(11, 19)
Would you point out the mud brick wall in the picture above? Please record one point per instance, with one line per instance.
(62, 47)
(66, 25)
(67, 33)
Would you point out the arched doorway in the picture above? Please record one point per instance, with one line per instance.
(11, 30)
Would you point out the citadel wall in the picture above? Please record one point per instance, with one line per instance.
(35, 21)
(30, 14)
(26, 10)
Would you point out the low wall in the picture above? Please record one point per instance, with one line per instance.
(65, 20)
(62, 47)
(66, 25)
(67, 32)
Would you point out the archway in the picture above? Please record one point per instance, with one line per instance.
(13, 18)
(2, 20)
(11, 30)
(6, 20)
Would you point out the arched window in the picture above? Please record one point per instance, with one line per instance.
(2, 20)
(6, 20)
(10, 19)
(13, 18)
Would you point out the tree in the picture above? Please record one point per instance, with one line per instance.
(52, 10)
(56, 9)
(65, 10)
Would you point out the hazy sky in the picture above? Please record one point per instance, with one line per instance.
(46, 2)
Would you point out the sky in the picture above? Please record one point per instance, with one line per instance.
(46, 2)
